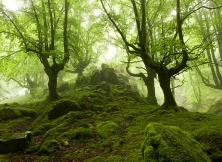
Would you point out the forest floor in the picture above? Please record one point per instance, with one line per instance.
(111, 129)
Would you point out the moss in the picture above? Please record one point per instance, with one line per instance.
(96, 159)
(105, 129)
(166, 110)
(115, 159)
(43, 158)
(14, 113)
(211, 138)
(3, 158)
(42, 129)
(67, 156)
(33, 147)
(112, 108)
(79, 154)
(77, 133)
(91, 147)
(169, 143)
(54, 131)
(48, 147)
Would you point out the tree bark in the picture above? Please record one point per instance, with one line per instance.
(52, 73)
(52, 85)
(164, 80)
(150, 84)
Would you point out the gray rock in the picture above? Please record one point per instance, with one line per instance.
(15, 143)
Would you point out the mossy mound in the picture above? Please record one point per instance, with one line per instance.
(169, 143)
(14, 113)
(48, 147)
(216, 108)
(77, 133)
(105, 129)
(211, 138)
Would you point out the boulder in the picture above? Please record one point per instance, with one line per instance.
(14, 113)
(61, 108)
(15, 143)
(169, 143)
(106, 74)
(109, 75)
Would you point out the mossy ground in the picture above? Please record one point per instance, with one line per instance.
(124, 144)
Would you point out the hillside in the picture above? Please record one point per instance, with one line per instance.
(98, 122)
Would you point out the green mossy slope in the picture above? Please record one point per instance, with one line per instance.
(109, 127)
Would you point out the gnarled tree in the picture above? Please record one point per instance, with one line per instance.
(39, 27)
(171, 54)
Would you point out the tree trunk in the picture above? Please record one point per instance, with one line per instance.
(52, 85)
(151, 95)
(52, 73)
(164, 80)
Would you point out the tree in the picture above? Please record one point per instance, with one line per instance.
(38, 27)
(142, 48)
(209, 28)
(171, 53)
(148, 80)
(86, 37)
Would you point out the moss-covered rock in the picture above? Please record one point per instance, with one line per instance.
(14, 113)
(77, 133)
(105, 129)
(169, 143)
(48, 147)
(15, 143)
(109, 75)
(63, 107)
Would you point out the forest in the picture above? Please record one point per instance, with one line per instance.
(111, 81)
